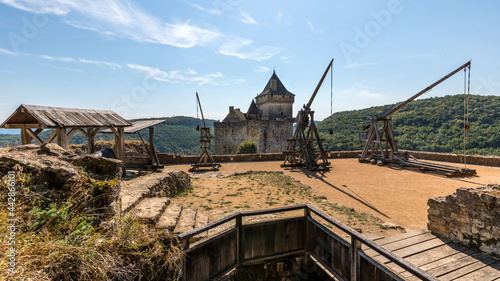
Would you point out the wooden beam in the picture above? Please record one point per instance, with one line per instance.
(91, 140)
(152, 150)
(114, 131)
(25, 137)
(34, 136)
(72, 132)
(120, 145)
(26, 125)
(51, 137)
(62, 138)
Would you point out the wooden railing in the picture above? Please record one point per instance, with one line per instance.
(245, 244)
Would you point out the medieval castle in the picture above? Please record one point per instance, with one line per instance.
(268, 121)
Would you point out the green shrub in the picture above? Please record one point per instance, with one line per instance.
(247, 147)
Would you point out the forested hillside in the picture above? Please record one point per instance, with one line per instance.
(432, 124)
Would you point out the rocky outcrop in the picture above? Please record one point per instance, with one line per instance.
(45, 170)
(165, 183)
(53, 149)
(99, 165)
(470, 216)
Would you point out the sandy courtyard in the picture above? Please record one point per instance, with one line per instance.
(392, 194)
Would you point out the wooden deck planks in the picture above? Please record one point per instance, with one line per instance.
(438, 256)
(488, 273)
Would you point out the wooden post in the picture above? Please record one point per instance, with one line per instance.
(152, 150)
(354, 258)
(185, 246)
(90, 140)
(25, 137)
(120, 145)
(307, 214)
(239, 240)
(62, 138)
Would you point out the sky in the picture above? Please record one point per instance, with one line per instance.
(149, 58)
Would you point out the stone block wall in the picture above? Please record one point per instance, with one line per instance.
(269, 135)
(470, 216)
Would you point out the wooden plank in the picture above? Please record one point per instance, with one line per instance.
(414, 249)
(391, 239)
(434, 263)
(456, 264)
(487, 273)
(438, 254)
(468, 269)
(401, 244)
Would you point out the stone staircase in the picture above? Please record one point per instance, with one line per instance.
(148, 197)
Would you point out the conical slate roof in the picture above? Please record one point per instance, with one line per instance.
(278, 90)
(253, 108)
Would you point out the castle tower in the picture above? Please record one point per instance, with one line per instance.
(275, 102)
(268, 121)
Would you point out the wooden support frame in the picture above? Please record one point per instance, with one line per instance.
(300, 149)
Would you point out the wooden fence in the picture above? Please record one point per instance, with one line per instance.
(247, 244)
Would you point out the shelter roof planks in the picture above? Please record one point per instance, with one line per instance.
(88, 121)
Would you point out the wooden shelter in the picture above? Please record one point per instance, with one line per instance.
(137, 126)
(33, 119)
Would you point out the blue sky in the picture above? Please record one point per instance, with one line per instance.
(148, 58)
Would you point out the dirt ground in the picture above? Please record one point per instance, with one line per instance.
(391, 194)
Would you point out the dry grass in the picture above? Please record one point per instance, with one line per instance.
(264, 190)
(72, 239)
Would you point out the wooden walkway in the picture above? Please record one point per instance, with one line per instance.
(438, 256)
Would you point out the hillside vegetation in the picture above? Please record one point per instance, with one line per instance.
(432, 124)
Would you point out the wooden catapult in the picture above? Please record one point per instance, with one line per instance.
(381, 146)
(206, 160)
(301, 150)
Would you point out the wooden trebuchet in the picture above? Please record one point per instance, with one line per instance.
(206, 160)
(381, 146)
(301, 148)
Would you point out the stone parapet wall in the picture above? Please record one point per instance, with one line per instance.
(169, 158)
(470, 216)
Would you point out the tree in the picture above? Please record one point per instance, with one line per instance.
(247, 147)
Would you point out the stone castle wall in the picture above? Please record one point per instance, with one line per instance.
(470, 216)
(269, 135)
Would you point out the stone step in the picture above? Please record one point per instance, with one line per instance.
(201, 220)
(166, 183)
(170, 217)
(186, 221)
(149, 210)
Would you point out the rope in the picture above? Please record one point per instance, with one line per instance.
(331, 99)
(466, 111)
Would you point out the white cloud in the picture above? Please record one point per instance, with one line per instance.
(112, 65)
(287, 59)
(261, 69)
(311, 26)
(364, 93)
(210, 11)
(353, 65)
(176, 76)
(246, 18)
(279, 17)
(63, 59)
(121, 18)
(241, 48)
(3, 51)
